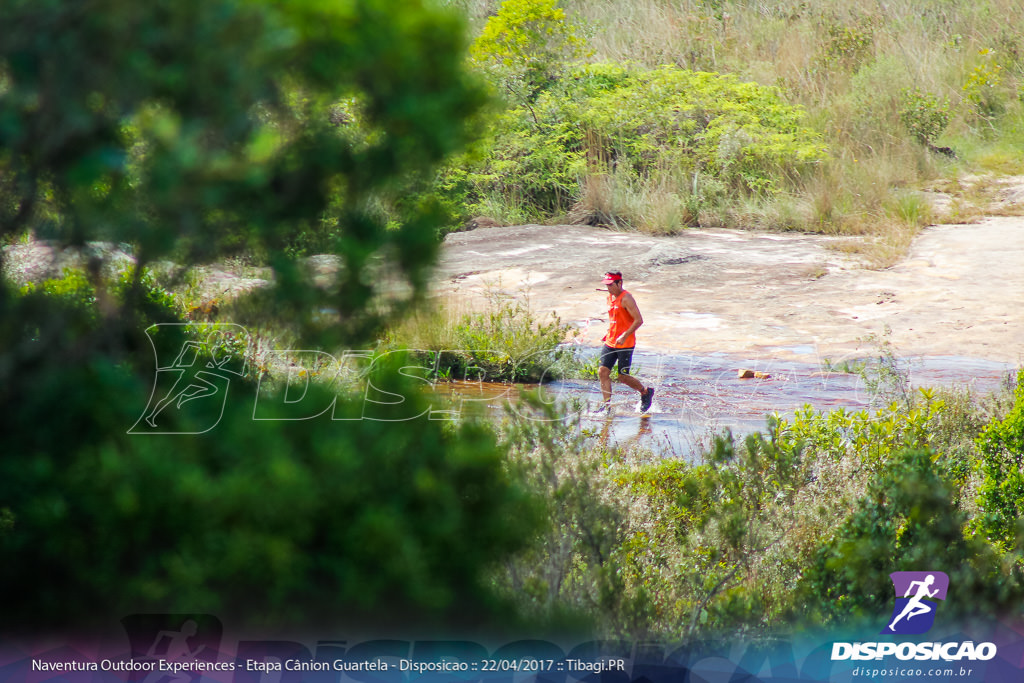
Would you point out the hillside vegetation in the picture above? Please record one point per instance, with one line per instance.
(663, 114)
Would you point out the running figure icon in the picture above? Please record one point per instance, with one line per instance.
(916, 605)
(197, 379)
(917, 598)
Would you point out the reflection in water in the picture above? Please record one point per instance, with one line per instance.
(604, 438)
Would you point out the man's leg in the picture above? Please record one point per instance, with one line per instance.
(646, 393)
(604, 372)
(605, 375)
(631, 382)
(625, 362)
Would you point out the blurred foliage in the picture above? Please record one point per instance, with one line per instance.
(76, 289)
(288, 523)
(197, 129)
(191, 130)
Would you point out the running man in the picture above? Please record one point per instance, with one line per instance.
(915, 605)
(623, 320)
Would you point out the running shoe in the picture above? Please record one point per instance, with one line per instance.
(646, 400)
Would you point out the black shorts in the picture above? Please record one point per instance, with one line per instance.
(624, 357)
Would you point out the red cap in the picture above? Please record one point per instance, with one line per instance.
(610, 277)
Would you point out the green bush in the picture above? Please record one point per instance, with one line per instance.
(742, 504)
(511, 343)
(846, 46)
(872, 438)
(801, 523)
(924, 115)
(907, 520)
(1002, 468)
(648, 124)
(225, 131)
(506, 341)
(660, 548)
(583, 564)
(983, 86)
(192, 129)
(75, 288)
(526, 43)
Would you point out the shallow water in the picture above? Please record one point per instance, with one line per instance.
(697, 397)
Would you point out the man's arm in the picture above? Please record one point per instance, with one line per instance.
(910, 588)
(629, 303)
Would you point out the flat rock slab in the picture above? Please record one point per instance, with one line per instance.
(959, 292)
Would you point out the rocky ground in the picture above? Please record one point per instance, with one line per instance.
(959, 291)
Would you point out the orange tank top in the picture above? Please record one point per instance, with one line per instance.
(619, 321)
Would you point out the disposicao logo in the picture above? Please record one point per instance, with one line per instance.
(916, 596)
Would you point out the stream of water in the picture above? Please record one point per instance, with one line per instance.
(697, 397)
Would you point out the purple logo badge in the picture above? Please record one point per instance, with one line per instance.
(916, 596)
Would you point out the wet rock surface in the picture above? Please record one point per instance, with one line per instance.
(787, 308)
(959, 292)
(793, 311)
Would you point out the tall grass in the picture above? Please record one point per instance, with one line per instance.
(501, 339)
(661, 206)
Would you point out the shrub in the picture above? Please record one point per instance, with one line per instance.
(742, 507)
(982, 87)
(273, 522)
(507, 341)
(648, 125)
(526, 43)
(906, 521)
(924, 115)
(75, 288)
(280, 523)
(873, 439)
(220, 132)
(574, 568)
(761, 532)
(848, 45)
(1002, 469)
